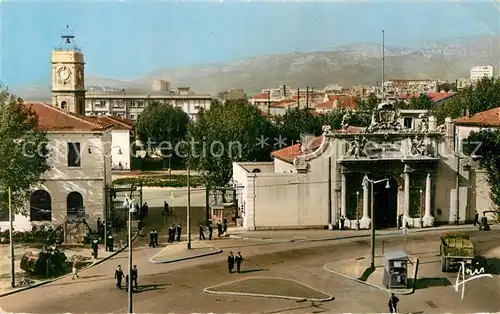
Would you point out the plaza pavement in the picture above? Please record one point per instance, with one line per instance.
(178, 287)
(178, 251)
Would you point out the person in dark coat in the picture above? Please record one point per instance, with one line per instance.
(224, 225)
(219, 228)
(393, 303)
(230, 262)
(179, 231)
(95, 248)
(135, 275)
(170, 232)
(165, 209)
(202, 232)
(155, 237)
(342, 222)
(210, 230)
(146, 209)
(119, 276)
(476, 219)
(238, 259)
(151, 238)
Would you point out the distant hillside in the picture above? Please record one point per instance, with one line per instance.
(346, 65)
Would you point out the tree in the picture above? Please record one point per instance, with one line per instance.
(162, 126)
(296, 122)
(23, 150)
(489, 157)
(369, 104)
(227, 133)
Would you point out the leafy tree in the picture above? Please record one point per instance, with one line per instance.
(445, 87)
(296, 122)
(489, 157)
(483, 95)
(227, 133)
(354, 118)
(163, 126)
(369, 104)
(24, 151)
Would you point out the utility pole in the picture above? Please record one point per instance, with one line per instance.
(330, 192)
(372, 216)
(298, 98)
(189, 202)
(457, 187)
(268, 104)
(284, 91)
(11, 243)
(383, 65)
(307, 97)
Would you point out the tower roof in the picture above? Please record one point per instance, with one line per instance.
(67, 40)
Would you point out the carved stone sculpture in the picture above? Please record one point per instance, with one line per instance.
(345, 121)
(441, 128)
(356, 147)
(326, 128)
(384, 118)
(418, 147)
(424, 124)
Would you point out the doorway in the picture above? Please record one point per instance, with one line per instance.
(385, 202)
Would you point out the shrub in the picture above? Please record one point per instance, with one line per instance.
(173, 181)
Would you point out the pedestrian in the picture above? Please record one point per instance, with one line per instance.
(230, 262)
(155, 238)
(238, 259)
(75, 269)
(165, 209)
(179, 231)
(202, 232)
(219, 228)
(210, 230)
(126, 284)
(119, 276)
(135, 275)
(393, 303)
(146, 207)
(476, 219)
(151, 238)
(95, 248)
(170, 234)
(342, 222)
(110, 242)
(224, 224)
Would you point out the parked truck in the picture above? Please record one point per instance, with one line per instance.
(456, 248)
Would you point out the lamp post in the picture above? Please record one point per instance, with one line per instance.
(189, 202)
(367, 181)
(357, 210)
(104, 155)
(420, 209)
(131, 209)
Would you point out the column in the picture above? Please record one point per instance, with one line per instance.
(365, 220)
(343, 191)
(428, 220)
(406, 215)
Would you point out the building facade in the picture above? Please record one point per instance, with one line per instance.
(130, 104)
(410, 160)
(478, 72)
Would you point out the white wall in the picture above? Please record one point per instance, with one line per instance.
(281, 166)
(120, 140)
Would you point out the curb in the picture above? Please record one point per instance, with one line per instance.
(399, 292)
(392, 233)
(270, 296)
(217, 251)
(67, 275)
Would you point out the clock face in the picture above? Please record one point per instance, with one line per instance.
(64, 73)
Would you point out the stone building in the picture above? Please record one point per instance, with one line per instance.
(412, 162)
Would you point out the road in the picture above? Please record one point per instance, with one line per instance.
(174, 196)
(178, 287)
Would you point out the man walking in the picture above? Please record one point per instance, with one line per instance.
(151, 238)
(342, 222)
(179, 231)
(119, 276)
(165, 209)
(171, 234)
(210, 230)
(202, 233)
(135, 274)
(219, 228)
(95, 248)
(155, 237)
(224, 225)
(393, 303)
(230, 262)
(75, 269)
(239, 260)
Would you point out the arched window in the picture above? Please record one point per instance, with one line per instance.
(256, 170)
(74, 205)
(64, 105)
(40, 206)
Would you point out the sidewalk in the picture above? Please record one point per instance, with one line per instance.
(178, 251)
(325, 235)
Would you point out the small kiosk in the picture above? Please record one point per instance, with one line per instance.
(396, 270)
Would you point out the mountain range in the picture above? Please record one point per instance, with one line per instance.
(346, 65)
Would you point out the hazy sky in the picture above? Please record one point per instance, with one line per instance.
(126, 39)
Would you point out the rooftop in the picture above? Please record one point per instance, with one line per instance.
(288, 154)
(486, 118)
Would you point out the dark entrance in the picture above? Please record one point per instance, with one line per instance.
(385, 202)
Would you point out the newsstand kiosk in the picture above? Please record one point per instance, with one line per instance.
(396, 270)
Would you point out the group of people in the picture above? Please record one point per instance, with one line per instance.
(153, 238)
(119, 275)
(221, 229)
(234, 260)
(174, 233)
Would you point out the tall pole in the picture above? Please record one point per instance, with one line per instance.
(284, 91)
(188, 204)
(307, 97)
(383, 65)
(130, 210)
(457, 188)
(330, 191)
(105, 203)
(11, 243)
(372, 213)
(269, 103)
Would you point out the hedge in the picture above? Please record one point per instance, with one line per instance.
(174, 181)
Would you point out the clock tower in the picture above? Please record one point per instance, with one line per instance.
(68, 86)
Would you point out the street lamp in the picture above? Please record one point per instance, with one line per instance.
(357, 210)
(420, 209)
(367, 181)
(104, 187)
(131, 209)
